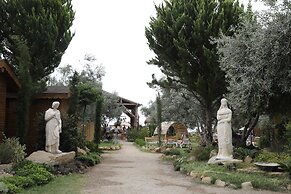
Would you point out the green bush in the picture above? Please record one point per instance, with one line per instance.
(242, 153)
(12, 188)
(38, 173)
(266, 156)
(11, 151)
(202, 153)
(140, 142)
(91, 146)
(90, 159)
(19, 181)
(172, 152)
(27, 174)
(6, 154)
(134, 134)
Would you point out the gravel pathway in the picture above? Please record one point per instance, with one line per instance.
(131, 171)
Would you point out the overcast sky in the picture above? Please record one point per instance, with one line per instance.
(113, 31)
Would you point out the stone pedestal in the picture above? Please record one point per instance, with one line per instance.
(51, 159)
(214, 160)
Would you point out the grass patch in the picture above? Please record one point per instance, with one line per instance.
(61, 185)
(259, 180)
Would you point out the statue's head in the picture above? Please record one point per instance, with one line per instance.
(223, 103)
(56, 104)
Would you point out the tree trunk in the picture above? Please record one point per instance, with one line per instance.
(208, 123)
(251, 128)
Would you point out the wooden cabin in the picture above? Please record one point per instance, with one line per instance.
(172, 130)
(9, 86)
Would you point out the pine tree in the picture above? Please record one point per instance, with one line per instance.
(181, 37)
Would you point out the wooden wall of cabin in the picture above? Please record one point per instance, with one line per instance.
(2, 105)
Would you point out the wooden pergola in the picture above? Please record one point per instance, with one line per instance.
(131, 110)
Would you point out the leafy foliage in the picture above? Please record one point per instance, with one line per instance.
(134, 134)
(172, 152)
(266, 156)
(43, 25)
(90, 159)
(11, 151)
(202, 153)
(256, 62)
(27, 174)
(140, 142)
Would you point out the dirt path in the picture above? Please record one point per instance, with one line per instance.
(131, 171)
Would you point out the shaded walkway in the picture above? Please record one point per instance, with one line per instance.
(131, 171)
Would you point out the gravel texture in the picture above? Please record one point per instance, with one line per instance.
(131, 171)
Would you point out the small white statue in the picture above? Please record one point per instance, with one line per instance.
(53, 129)
(224, 132)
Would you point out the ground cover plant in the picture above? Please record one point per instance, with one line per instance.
(27, 174)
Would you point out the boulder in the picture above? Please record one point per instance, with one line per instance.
(220, 183)
(193, 174)
(289, 187)
(207, 180)
(81, 151)
(248, 159)
(212, 153)
(247, 186)
(51, 159)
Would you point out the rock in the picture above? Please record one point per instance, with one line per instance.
(5, 168)
(248, 159)
(158, 150)
(220, 183)
(193, 174)
(51, 159)
(81, 151)
(192, 158)
(207, 180)
(247, 186)
(289, 187)
(232, 186)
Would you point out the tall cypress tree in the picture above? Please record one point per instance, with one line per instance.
(180, 36)
(98, 119)
(159, 117)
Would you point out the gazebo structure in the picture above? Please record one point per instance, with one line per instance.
(131, 110)
(172, 130)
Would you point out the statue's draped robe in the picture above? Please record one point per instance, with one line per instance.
(224, 134)
(53, 127)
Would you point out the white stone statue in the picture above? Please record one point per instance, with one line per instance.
(224, 132)
(53, 129)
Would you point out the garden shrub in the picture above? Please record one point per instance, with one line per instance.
(38, 173)
(202, 153)
(18, 181)
(6, 154)
(178, 163)
(90, 159)
(140, 142)
(134, 134)
(172, 152)
(11, 151)
(12, 188)
(266, 156)
(92, 146)
(241, 153)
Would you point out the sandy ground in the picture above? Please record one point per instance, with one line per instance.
(131, 171)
